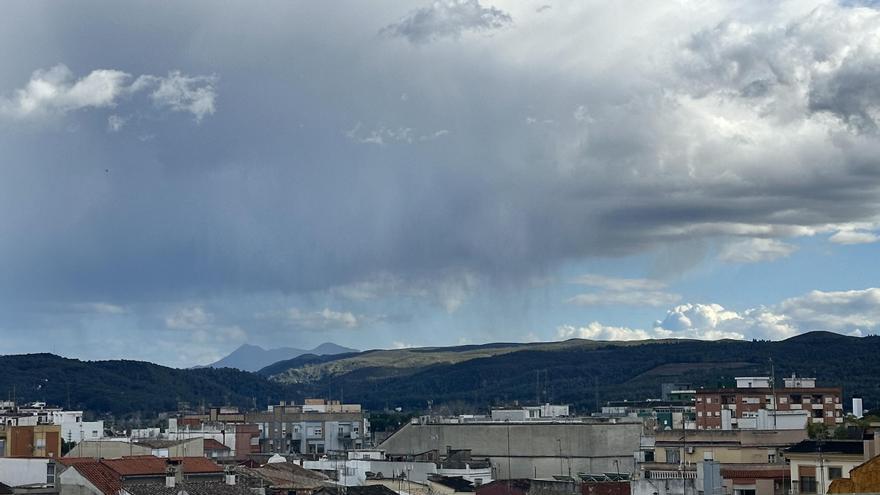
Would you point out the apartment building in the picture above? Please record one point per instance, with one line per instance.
(315, 427)
(757, 404)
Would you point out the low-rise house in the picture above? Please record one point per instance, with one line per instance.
(148, 475)
(814, 465)
(726, 447)
(28, 475)
(282, 478)
(755, 479)
(39, 440)
(214, 449)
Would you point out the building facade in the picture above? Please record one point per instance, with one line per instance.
(756, 404)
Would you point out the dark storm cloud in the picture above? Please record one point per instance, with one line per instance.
(309, 173)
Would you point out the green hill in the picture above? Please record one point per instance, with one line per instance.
(124, 388)
(465, 377)
(573, 371)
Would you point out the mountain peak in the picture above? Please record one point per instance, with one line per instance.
(250, 357)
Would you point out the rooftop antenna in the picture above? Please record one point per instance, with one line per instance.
(773, 391)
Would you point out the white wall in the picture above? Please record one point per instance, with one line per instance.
(73, 483)
(83, 430)
(23, 471)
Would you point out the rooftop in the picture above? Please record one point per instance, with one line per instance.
(847, 447)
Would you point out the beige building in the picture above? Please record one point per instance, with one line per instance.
(815, 465)
(726, 447)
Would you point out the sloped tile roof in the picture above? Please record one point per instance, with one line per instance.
(147, 465)
(104, 478)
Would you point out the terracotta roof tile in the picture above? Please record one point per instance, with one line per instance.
(146, 465)
(100, 475)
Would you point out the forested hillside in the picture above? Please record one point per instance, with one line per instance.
(574, 371)
(126, 388)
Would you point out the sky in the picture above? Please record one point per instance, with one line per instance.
(177, 179)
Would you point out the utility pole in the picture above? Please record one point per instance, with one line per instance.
(684, 443)
(559, 444)
(509, 474)
(773, 391)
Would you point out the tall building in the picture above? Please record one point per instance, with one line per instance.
(757, 404)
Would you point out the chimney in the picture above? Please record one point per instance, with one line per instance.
(173, 472)
(230, 476)
(170, 480)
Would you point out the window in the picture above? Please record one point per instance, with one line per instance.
(41, 443)
(771, 458)
(808, 484)
(835, 472)
(50, 473)
(673, 456)
(708, 400)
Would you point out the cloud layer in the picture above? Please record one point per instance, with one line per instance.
(433, 171)
(56, 91)
(447, 19)
(855, 312)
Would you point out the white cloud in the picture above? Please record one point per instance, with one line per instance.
(854, 312)
(56, 91)
(854, 237)
(619, 284)
(597, 331)
(447, 19)
(115, 123)
(325, 319)
(201, 327)
(101, 308)
(622, 291)
(449, 291)
(756, 250)
(384, 135)
(183, 93)
(838, 311)
(713, 321)
(188, 318)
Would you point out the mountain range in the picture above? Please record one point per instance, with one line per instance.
(450, 379)
(578, 372)
(253, 358)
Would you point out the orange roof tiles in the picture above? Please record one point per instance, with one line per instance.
(99, 475)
